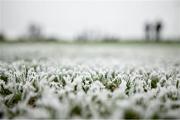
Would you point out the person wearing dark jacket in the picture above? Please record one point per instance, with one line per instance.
(158, 29)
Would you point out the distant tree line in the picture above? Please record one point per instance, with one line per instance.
(35, 33)
(2, 37)
(89, 36)
(152, 32)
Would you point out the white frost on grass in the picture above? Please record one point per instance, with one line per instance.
(90, 83)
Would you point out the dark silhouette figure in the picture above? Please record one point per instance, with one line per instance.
(158, 29)
(147, 30)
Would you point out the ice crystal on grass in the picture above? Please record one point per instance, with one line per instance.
(84, 87)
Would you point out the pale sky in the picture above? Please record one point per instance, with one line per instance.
(61, 18)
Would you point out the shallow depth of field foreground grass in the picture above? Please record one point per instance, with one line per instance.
(89, 81)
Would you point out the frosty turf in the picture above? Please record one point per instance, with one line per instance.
(58, 84)
(89, 94)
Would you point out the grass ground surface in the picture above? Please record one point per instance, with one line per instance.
(80, 80)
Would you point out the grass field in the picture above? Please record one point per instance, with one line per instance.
(51, 80)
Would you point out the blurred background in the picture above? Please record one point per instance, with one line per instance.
(90, 20)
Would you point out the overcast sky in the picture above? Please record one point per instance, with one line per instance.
(123, 18)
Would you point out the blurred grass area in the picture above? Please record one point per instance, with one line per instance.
(97, 42)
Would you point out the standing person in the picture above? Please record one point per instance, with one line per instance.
(158, 29)
(147, 30)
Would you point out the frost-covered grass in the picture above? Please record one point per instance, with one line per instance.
(55, 81)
